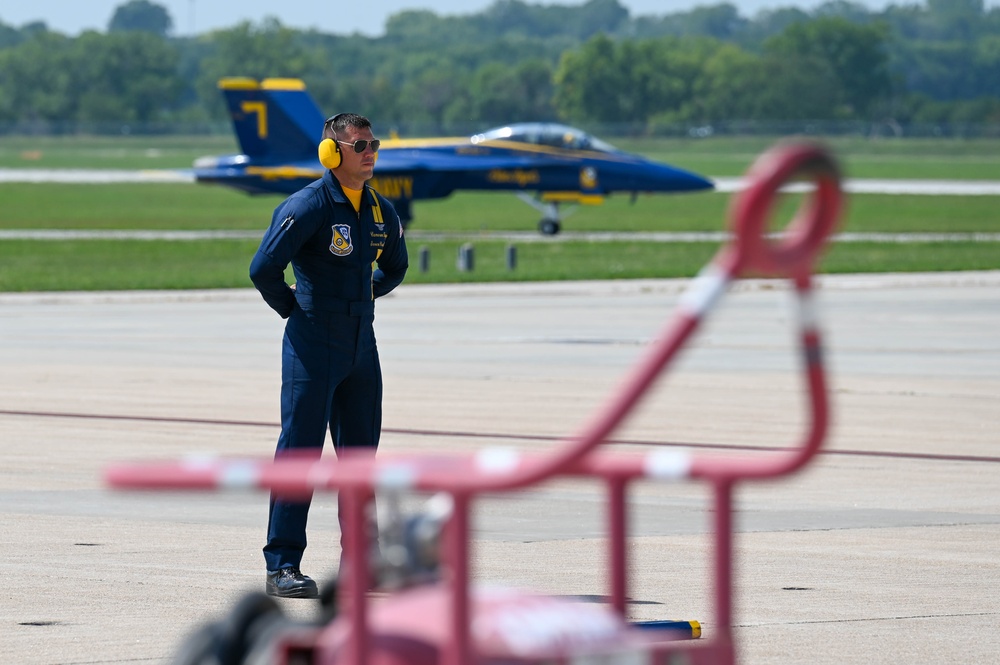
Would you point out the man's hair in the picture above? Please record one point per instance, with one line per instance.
(336, 124)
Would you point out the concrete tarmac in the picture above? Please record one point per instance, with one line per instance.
(883, 551)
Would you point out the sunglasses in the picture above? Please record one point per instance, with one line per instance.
(361, 144)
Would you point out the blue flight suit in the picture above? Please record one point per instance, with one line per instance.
(330, 373)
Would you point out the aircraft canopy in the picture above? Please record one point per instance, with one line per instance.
(548, 134)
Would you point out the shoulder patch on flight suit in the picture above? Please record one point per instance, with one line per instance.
(341, 243)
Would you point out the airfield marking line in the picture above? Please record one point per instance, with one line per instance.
(154, 419)
(518, 437)
(889, 618)
(125, 234)
(96, 176)
(693, 236)
(886, 186)
(524, 236)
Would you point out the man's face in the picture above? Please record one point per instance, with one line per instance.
(355, 167)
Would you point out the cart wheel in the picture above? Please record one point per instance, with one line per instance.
(245, 623)
(328, 601)
(200, 647)
(227, 642)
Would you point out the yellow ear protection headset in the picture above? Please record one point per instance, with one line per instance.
(329, 150)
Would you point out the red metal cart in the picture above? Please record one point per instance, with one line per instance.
(433, 615)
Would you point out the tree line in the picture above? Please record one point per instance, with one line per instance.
(933, 64)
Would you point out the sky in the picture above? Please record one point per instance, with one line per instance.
(197, 16)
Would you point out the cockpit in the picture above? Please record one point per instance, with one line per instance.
(546, 134)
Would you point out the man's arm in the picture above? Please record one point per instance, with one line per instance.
(267, 269)
(393, 261)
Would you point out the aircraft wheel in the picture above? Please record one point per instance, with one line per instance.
(549, 227)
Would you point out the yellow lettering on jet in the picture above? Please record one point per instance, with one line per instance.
(260, 108)
(518, 176)
(393, 187)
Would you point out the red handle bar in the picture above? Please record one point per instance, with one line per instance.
(795, 254)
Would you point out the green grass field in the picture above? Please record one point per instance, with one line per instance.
(55, 265)
(97, 265)
(125, 152)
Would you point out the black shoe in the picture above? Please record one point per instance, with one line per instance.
(290, 583)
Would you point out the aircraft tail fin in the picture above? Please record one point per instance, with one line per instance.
(273, 118)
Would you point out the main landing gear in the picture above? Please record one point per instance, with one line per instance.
(549, 227)
(551, 223)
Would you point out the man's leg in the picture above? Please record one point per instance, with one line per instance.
(356, 423)
(356, 411)
(305, 399)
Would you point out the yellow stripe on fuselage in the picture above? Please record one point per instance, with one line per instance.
(548, 150)
(572, 197)
(424, 143)
(282, 172)
(465, 145)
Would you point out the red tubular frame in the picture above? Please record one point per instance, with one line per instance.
(753, 251)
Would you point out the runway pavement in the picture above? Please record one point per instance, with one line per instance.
(884, 551)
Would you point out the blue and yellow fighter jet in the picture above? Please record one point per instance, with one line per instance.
(279, 127)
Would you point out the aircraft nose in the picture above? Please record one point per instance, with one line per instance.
(675, 179)
(698, 182)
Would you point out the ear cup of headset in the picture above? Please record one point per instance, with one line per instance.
(329, 153)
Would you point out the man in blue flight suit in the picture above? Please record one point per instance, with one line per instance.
(345, 244)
